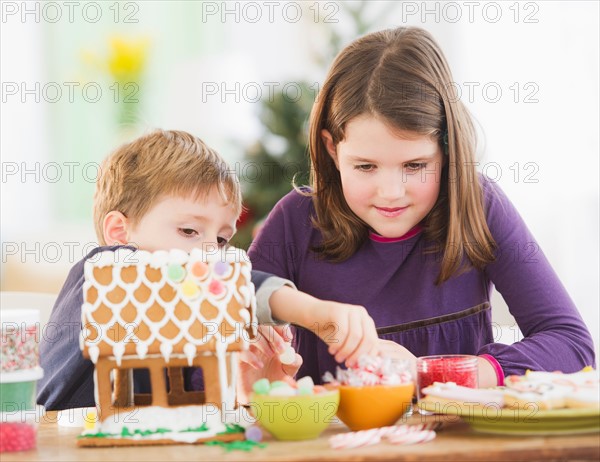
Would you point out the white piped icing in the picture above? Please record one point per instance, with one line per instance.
(238, 267)
(190, 352)
(127, 257)
(128, 308)
(175, 419)
(221, 349)
(174, 423)
(118, 351)
(94, 353)
(159, 258)
(96, 392)
(141, 349)
(232, 385)
(166, 349)
(245, 315)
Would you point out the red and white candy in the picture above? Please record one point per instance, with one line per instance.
(372, 370)
(398, 434)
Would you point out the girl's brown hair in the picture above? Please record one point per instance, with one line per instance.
(401, 76)
(164, 162)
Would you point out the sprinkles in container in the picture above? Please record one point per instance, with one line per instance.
(460, 369)
(19, 373)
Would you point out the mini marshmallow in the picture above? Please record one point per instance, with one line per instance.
(288, 356)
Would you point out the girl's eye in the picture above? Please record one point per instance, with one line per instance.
(188, 232)
(365, 167)
(415, 166)
(222, 241)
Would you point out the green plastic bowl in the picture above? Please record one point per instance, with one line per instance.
(293, 418)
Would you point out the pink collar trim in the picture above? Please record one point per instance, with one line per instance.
(386, 240)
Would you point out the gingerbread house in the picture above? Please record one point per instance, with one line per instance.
(163, 311)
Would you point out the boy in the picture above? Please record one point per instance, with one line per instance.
(169, 190)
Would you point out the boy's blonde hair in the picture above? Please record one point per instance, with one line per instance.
(164, 162)
(401, 76)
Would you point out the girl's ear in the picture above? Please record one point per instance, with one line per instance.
(115, 228)
(328, 142)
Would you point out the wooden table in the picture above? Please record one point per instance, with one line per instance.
(455, 441)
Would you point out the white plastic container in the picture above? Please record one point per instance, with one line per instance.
(19, 373)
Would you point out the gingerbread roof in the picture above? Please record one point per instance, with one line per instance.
(138, 304)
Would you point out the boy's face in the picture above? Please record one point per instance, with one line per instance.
(184, 223)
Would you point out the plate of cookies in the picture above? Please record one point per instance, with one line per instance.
(537, 403)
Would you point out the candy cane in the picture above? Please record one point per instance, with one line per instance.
(356, 439)
(399, 434)
(412, 437)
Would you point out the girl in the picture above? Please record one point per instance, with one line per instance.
(398, 220)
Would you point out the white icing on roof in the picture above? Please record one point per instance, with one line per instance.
(217, 287)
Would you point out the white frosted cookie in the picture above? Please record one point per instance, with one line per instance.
(587, 399)
(450, 392)
(542, 395)
(553, 390)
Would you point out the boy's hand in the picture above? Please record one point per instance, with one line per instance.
(261, 360)
(348, 330)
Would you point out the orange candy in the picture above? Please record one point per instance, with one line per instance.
(199, 269)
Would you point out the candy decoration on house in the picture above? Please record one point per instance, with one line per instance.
(164, 311)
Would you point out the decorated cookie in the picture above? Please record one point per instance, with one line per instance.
(452, 393)
(553, 390)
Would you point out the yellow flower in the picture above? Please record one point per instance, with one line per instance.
(127, 58)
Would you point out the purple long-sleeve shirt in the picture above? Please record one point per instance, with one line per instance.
(395, 282)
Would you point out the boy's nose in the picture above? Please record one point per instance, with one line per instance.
(209, 243)
(211, 239)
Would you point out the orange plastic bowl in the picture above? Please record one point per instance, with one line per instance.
(374, 406)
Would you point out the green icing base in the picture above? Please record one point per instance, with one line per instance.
(126, 433)
(244, 445)
(232, 428)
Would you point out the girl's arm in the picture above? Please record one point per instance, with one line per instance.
(555, 336)
(347, 329)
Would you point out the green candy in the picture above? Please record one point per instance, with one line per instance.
(262, 387)
(176, 273)
(279, 384)
(305, 390)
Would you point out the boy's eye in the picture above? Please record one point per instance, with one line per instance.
(415, 166)
(188, 232)
(365, 167)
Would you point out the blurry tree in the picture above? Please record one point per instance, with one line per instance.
(280, 156)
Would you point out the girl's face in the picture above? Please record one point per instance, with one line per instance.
(391, 180)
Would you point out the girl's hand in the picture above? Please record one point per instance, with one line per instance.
(261, 360)
(394, 350)
(347, 329)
